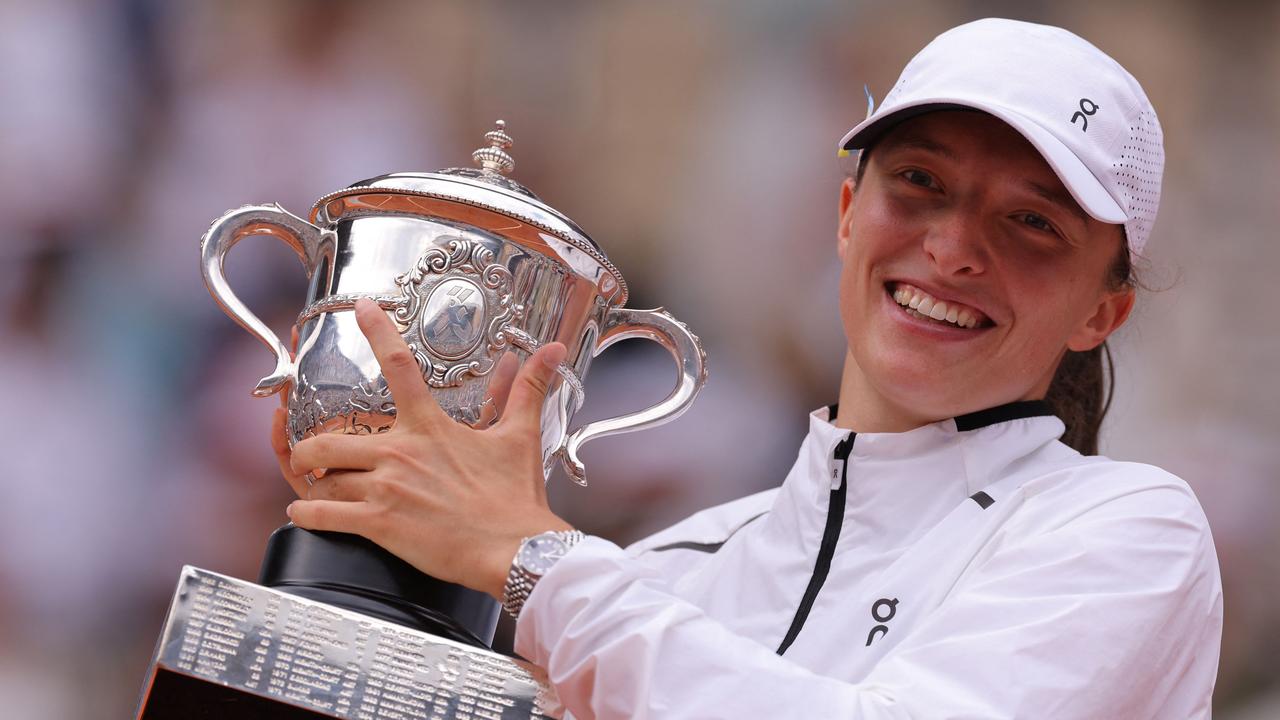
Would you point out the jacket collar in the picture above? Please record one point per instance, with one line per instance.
(958, 455)
(974, 420)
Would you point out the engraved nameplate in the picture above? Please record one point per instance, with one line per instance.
(230, 648)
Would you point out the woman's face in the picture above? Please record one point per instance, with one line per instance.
(956, 207)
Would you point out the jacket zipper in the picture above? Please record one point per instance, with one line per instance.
(830, 534)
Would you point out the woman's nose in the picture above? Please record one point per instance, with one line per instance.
(956, 245)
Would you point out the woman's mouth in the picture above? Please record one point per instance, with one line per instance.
(920, 304)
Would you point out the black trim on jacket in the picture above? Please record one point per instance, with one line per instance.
(707, 547)
(826, 550)
(1002, 413)
(984, 418)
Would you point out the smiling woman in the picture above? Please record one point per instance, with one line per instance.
(937, 550)
(1001, 238)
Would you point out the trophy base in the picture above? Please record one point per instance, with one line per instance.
(233, 649)
(353, 573)
(174, 696)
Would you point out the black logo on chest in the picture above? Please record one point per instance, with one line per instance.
(882, 611)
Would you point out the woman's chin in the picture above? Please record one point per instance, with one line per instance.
(932, 393)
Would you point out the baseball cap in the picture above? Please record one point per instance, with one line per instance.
(1085, 113)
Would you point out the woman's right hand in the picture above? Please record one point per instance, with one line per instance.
(498, 391)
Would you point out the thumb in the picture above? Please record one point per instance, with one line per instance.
(531, 384)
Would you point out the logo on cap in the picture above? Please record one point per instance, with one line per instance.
(1084, 113)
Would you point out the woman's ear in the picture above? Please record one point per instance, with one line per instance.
(1112, 310)
(844, 228)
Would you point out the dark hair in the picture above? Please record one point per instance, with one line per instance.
(1084, 383)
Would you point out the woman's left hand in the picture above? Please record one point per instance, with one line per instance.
(452, 501)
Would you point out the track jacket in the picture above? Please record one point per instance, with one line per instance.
(972, 568)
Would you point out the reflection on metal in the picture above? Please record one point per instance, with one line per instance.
(334, 303)
(246, 642)
(365, 409)
(661, 327)
(455, 296)
(495, 158)
(477, 271)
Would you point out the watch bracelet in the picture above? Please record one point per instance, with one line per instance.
(519, 585)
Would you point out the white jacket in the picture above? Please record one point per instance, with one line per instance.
(972, 568)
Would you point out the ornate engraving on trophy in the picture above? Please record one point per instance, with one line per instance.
(372, 408)
(451, 321)
(364, 409)
(456, 297)
(345, 301)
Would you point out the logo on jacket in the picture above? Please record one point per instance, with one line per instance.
(882, 611)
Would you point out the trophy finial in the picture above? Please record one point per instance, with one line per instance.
(495, 157)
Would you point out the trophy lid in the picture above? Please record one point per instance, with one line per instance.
(484, 187)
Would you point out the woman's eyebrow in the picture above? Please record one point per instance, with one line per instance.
(915, 142)
(1066, 202)
(1052, 195)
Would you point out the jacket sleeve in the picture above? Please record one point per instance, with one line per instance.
(1102, 617)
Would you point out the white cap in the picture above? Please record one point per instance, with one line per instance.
(1085, 113)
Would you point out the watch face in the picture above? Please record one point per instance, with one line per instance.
(540, 552)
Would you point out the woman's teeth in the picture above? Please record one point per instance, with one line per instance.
(925, 305)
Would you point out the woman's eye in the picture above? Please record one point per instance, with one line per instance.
(919, 177)
(1037, 222)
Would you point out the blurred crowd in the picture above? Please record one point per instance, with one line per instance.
(693, 140)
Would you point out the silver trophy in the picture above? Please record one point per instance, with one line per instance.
(477, 273)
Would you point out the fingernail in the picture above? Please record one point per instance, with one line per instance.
(288, 510)
(554, 355)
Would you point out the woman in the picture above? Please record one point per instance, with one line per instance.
(937, 550)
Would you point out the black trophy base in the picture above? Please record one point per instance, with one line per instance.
(352, 573)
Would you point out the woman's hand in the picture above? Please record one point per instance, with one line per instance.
(452, 501)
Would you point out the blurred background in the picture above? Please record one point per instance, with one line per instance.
(694, 140)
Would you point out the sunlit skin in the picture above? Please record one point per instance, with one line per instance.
(960, 205)
(955, 203)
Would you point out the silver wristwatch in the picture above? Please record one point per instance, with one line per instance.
(533, 560)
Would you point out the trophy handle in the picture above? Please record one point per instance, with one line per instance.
(661, 327)
(306, 240)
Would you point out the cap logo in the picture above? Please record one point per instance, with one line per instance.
(1084, 113)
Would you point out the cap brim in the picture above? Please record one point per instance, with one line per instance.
(1087, 190)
